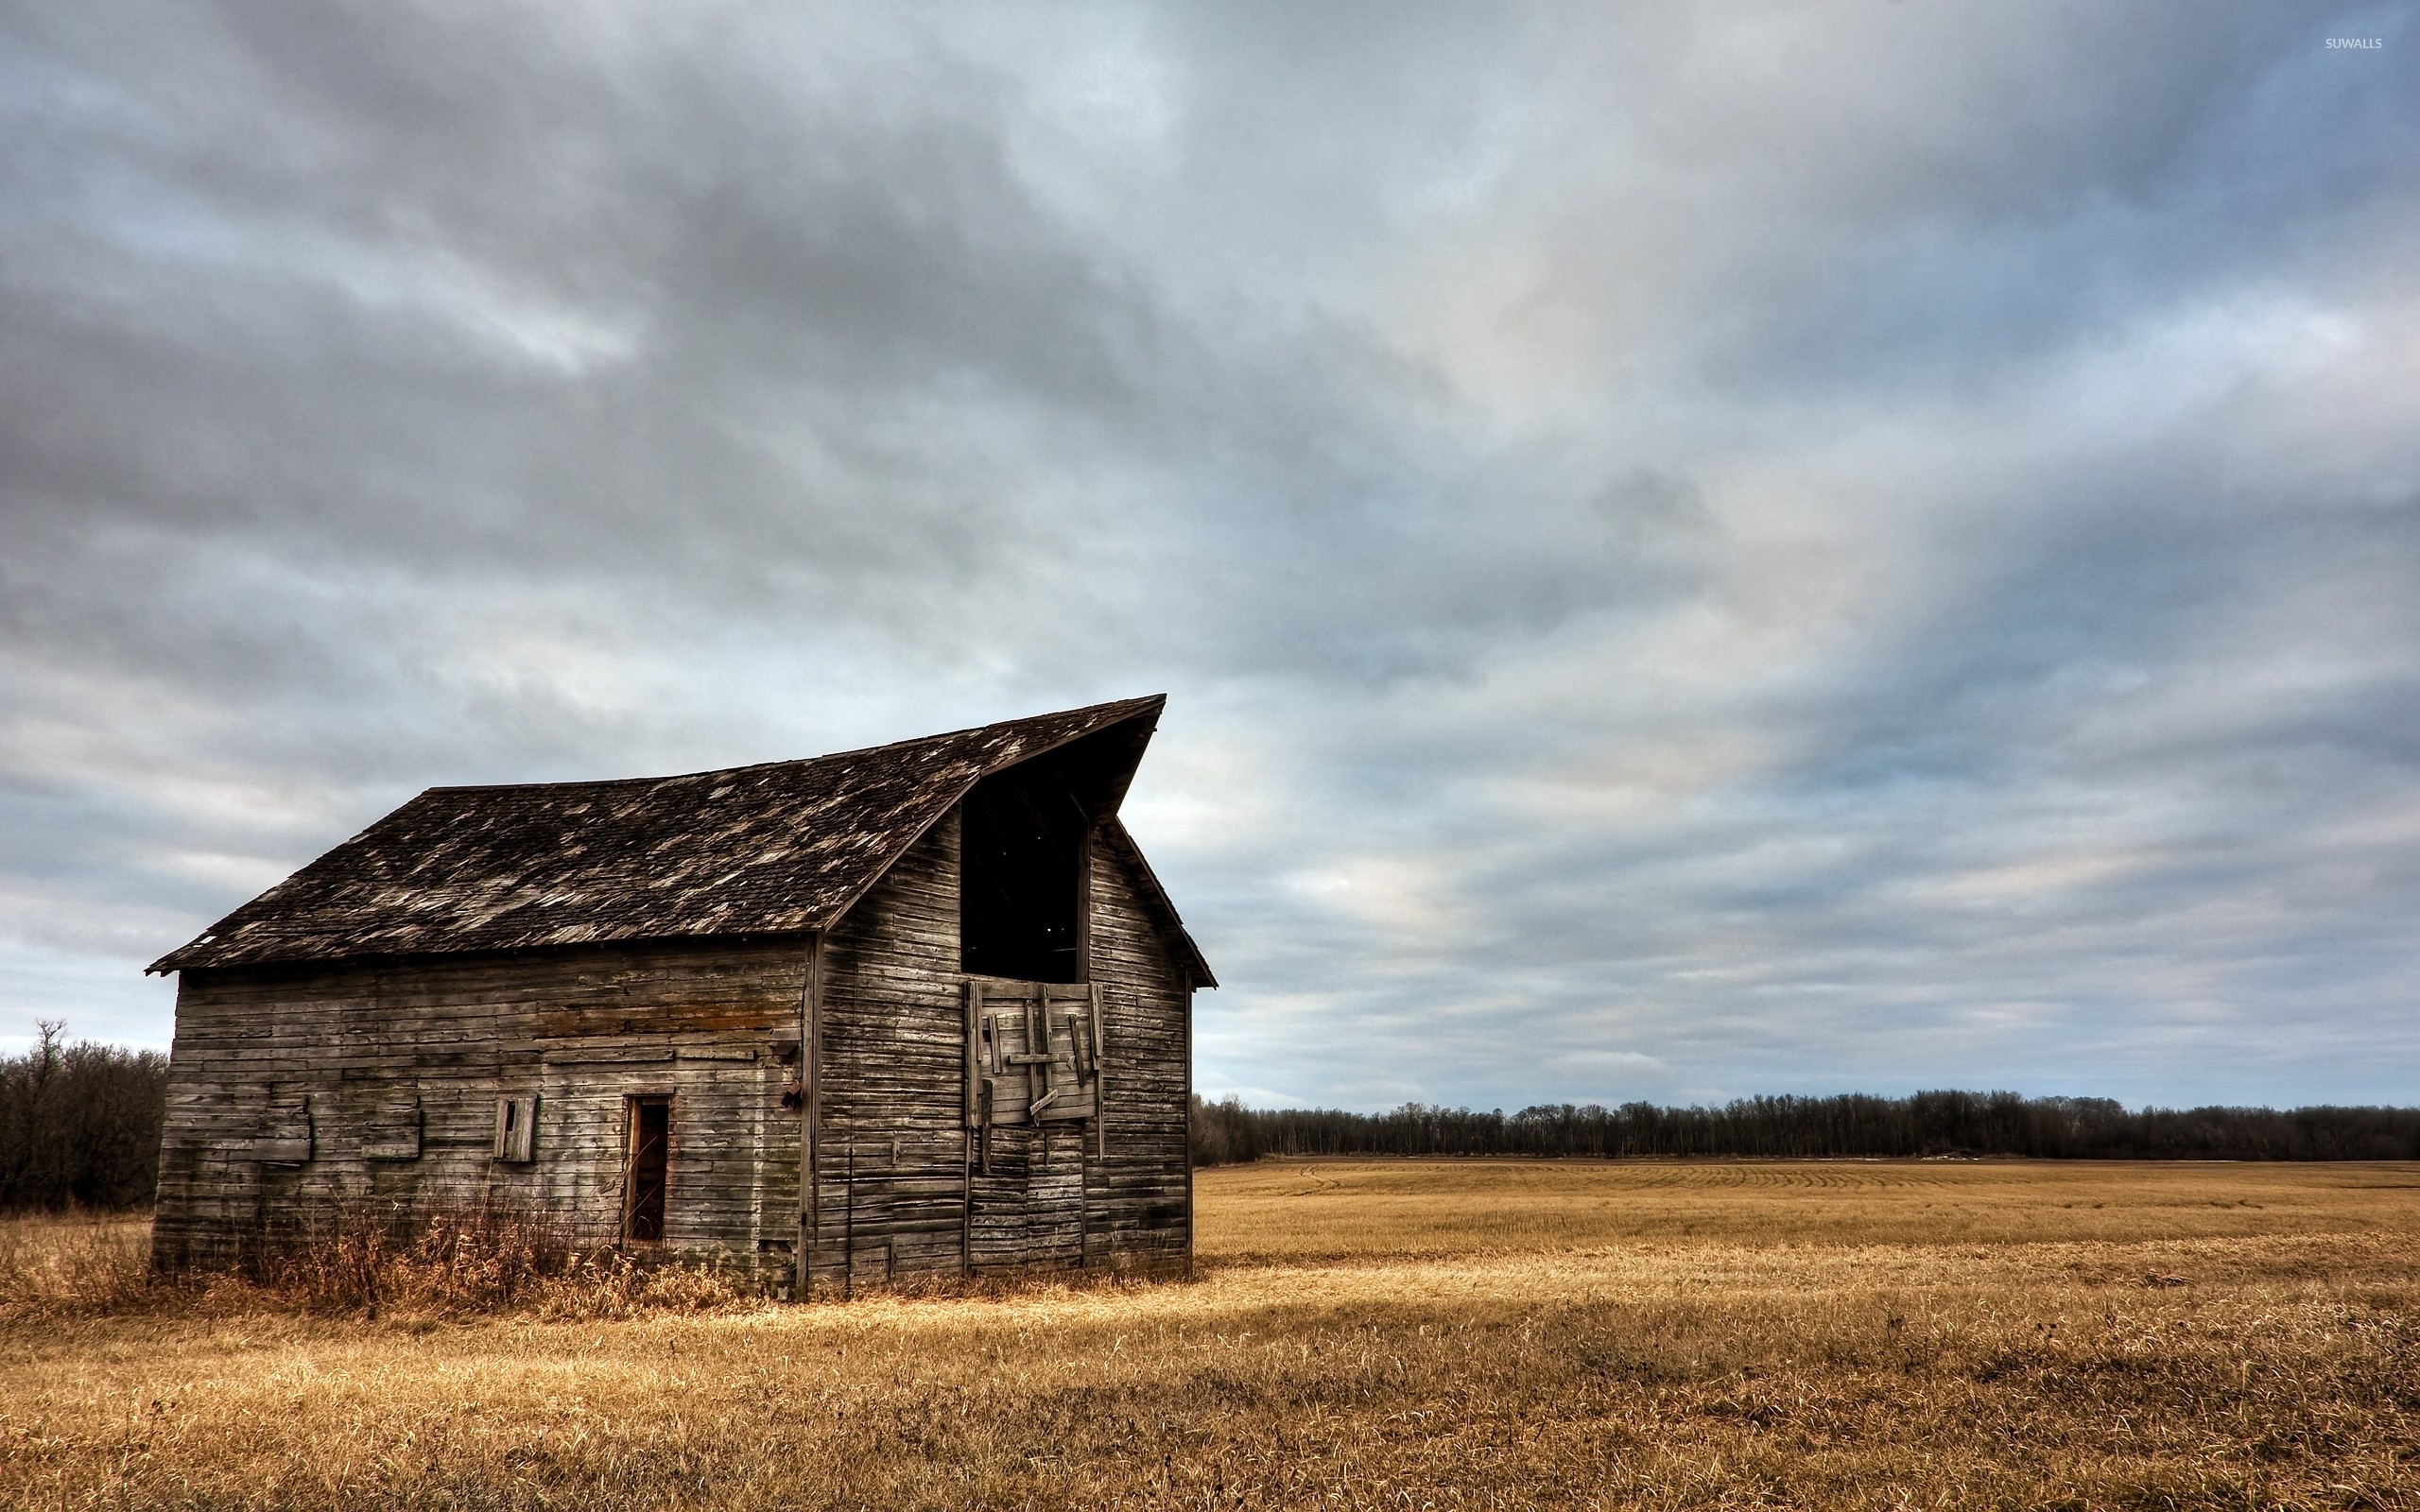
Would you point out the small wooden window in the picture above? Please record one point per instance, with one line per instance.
(516, 1129)
(650, 1170)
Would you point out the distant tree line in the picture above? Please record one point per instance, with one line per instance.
(1851, 1126)
(79, 1125)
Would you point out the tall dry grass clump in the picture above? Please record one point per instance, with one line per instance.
(356, 1259)
(465, 1261)
(455, 1264)
(74, 1262)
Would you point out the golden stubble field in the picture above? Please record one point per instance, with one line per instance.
(1362, 1334)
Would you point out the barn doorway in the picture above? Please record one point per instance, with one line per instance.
(642, 1188)
(1033, 1066)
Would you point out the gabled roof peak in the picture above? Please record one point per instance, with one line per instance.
(773, 848)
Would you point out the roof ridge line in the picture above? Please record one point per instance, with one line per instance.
(795, 760)
(794, 852)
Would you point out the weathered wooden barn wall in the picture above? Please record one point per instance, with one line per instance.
(906, 1183)
(466, 1004)
(1142, 1196)
(890, 1194)
(300, 1092)
(297, 1089)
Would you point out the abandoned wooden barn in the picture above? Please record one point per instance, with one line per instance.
(921, 1008)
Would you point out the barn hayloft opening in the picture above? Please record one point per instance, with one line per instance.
(1025, 856)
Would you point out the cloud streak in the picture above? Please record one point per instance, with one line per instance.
(1740, 549)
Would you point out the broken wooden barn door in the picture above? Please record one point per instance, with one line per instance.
(1033, 1067)
(1034, 1053)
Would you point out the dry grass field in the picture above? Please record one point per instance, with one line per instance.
(1362, 1334)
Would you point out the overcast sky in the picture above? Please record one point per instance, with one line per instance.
(1694, 549)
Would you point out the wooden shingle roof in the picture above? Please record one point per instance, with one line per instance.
(781, 847)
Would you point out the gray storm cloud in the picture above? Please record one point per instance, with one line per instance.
(1725, 548)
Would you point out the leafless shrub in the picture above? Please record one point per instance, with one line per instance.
(79, 1125)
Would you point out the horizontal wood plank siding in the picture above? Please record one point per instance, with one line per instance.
(303, 1090)
(1137, 1195)
(579, 1029)
(890, 1157)
(893, 1188)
